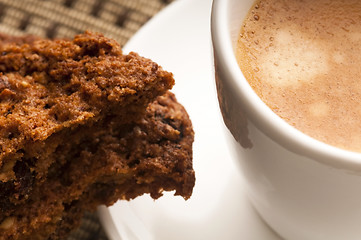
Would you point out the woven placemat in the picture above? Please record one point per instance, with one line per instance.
(117, 19)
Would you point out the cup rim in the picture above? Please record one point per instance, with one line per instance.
(260, 114)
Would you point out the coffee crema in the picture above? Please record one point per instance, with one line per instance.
(303, 58)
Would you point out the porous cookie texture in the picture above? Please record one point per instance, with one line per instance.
(49, 88)
(84, 124)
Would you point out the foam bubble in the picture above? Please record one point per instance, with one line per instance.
(295, 60)
(338, 57)
(319, 109)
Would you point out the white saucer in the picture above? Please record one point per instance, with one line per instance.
(178, 39)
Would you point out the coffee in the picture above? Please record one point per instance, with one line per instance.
(303, 58)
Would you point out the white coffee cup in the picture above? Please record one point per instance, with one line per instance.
(304, 189)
